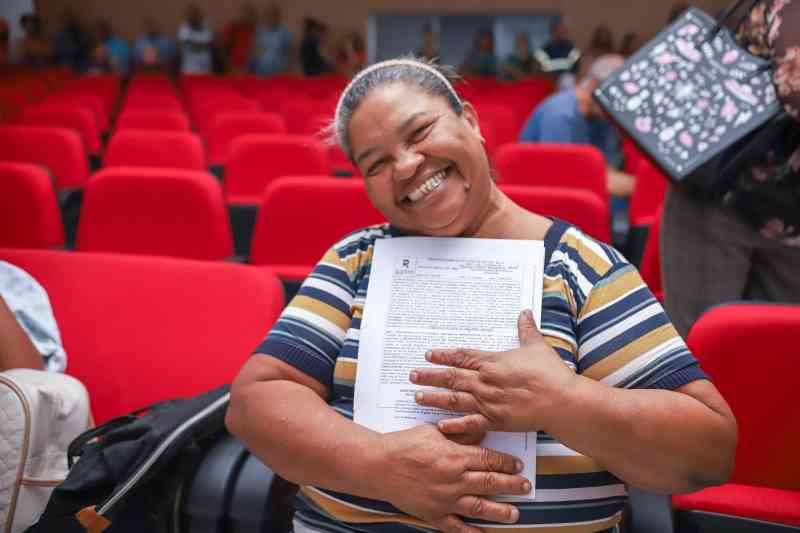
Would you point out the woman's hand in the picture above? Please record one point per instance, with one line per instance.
(439, 481)
(513, 391)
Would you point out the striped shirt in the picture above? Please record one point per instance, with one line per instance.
(596, 313)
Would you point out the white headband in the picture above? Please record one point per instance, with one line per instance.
(393, 63)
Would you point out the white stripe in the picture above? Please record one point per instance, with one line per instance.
(353, 334)
(643, 360)
(561, 524)
(583, 284)
(618, 329)
(366, 233)
(609, 304)
(554, 449)
(348, 504)
(317, 321)
(591, 245)
(330, 288)
(561, 335)
(583, 493)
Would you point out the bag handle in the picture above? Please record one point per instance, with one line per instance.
(75, 448)
(730, 10)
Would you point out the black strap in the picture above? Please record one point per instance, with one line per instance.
(730, 10)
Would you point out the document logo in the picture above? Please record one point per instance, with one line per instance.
(406, 265)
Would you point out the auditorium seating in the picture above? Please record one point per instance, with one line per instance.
(578, 207)
(204, 111)
(502, 120)
(301, 217)
(86, 100)
(69, 116)
(650, 269)
(143, 329)
(257, 159)
(162, 119)
(60, 150)
(151, 148)
(648, 194)
(552, 165)
(751, 353)
(29, 215)
(156, 211)
(225, 127)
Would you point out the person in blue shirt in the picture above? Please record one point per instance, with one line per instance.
(273, 45)
(112, 53)
(573, 117)
(153, 48)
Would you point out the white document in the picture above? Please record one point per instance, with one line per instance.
(427, 292)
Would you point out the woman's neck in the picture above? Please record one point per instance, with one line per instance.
(503, 219)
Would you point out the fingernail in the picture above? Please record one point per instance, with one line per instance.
(428, 355)
(518, 465)
(418, 396)
(528, 314)
(526, 487)
(513, 515)
(414, 376)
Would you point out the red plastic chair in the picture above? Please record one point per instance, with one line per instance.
(648, 194)
(29, 214)
(142, 100)
(138, 330)
(74, 117)
(151, 148)
(552, 165)
(225, 127)
(60, 150)
(751, 353)
(255, 160)
(290, 241)
(580, 208)
(155, 211)
(172, 120)
(13, 99)
(504, 123)
(206, 111)
(83, 99)
(650, 268)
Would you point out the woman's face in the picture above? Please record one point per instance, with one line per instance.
(425, 167)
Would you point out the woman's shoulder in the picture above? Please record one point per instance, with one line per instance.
(571, 251)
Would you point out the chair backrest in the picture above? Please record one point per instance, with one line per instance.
(60, 150)
(86, 100)
(552, 165)
(225, 127)
(153, 148)
(503, 121)
(155, 211)
(29, 214)
(144, 99)
(648, 193)
(650, 268)
(581, 208)
(164, 119)
(751, 353)
(206, 109)
(74, 117)
(301, 217)
(257, 159)
(143, 329)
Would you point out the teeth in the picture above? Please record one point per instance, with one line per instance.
(430, 184)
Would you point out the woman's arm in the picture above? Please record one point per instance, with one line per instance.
(280, 415)
(660, 440)
(16, 349)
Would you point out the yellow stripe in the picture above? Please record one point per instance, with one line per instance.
(357, 310)
(331, 314)
(345, 370)
(602, 295)
(332, 257)
(571, 464)
(598, 263)
(353, 262)
(631, 351)
(347, 513)
(557, 342)
(560, 286)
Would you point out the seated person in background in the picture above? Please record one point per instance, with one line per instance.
(520, 64)
(4, 42)
(273, 45)
(616, 402)
(311, 58)
(351, 55)
(558, 55)
(29, 336)
(33, 49)
(428, 50)
(481, 60)
(153, 49)
(238, 39)
(111, 54)
(572, 116)
(196, 41)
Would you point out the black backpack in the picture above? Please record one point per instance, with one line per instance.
(167, 468)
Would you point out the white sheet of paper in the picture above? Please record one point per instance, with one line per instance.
(427, 292)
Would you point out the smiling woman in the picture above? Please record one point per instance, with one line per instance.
(606, 381)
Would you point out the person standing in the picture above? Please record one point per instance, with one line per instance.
(273, 45)
(196, 41)
(238, 39)
(153, 49)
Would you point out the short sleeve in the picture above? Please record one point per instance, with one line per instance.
(784, 38)
(310, 332)
(625, 338)
(183, 33)
(556, 127)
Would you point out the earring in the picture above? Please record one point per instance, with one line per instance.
(466, 186)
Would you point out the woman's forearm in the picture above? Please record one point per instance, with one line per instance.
(659, 440)
(291, 429)
(16, 349)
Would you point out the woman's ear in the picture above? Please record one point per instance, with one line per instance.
(470, 115)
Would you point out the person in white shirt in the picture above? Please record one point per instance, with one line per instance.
(195, 40)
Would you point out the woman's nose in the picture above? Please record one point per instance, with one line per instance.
(406, 164)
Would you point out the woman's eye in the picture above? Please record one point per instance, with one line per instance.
(375, 168)
(420, 133)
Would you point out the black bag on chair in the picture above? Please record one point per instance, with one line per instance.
(130, 470)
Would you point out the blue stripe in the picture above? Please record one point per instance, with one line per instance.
(623, 339)
(325, 297)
